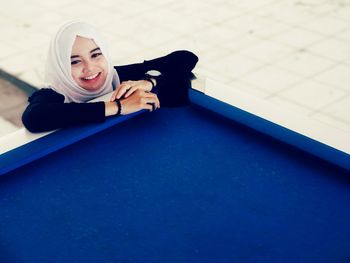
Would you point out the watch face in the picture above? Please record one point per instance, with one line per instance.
(153, 73)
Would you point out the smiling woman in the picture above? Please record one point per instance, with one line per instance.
(79, 69)
(84, 65)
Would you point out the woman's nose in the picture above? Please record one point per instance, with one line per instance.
(87, 66)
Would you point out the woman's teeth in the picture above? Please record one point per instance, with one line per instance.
(91, 77)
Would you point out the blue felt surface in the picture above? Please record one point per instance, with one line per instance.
(291, 137)
(52, 142)
(177, 185)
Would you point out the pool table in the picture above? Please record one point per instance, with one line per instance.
(175, 185)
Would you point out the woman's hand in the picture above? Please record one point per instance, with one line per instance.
(139, 100)
(127, 88)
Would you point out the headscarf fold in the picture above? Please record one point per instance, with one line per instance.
(58, 65)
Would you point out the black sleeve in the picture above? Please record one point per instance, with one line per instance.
(177, 64)
(172, 86)
(180, 63)
(47, 111)
(176, 69)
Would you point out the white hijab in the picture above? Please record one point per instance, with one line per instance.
(58, 66)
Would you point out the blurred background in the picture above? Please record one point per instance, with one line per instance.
(294, 54)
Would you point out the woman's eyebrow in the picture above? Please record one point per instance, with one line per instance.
(95, 50)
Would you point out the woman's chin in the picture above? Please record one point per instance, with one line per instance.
(91, 88)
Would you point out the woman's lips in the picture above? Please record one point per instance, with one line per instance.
(91, 77)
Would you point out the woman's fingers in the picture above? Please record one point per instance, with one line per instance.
(118, 92)
(121, 91)
(152, 99)
(130, 91)
(126, 88)
(148, 107)
(113, 96)
(156, 103)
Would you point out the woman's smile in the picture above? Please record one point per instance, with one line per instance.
(92, 77)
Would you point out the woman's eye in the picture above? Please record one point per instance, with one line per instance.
(96, 55)
(74, 62)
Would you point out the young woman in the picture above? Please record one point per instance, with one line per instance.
(79, 69)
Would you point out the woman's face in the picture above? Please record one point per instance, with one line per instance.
(88, 65)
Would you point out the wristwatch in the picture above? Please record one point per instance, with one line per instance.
(156, 75)
(152, 74)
